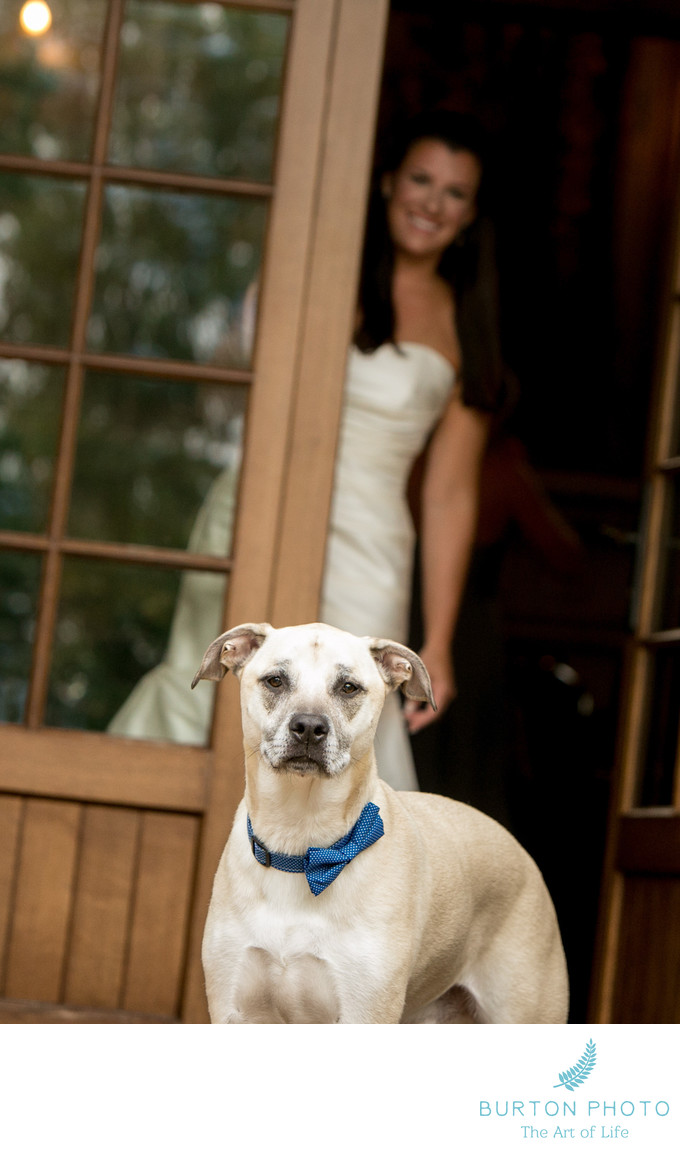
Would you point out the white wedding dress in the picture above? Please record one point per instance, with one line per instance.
(393, 398)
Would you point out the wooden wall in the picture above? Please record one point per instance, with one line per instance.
(94, 904)
(647, 980)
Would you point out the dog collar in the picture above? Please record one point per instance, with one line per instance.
(322, 864)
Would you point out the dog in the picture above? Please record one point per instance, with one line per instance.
(340, 900)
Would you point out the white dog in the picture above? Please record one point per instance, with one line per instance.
(338, 899)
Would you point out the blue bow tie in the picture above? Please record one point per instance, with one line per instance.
(322, 864)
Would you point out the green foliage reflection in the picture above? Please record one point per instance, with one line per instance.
(19, 582)
(198, 89)
(49, 84)
(172, 271)
(30, 405)
(40, 230)
(112, 627)
(148, 451)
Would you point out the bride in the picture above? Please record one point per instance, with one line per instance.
(424, 370)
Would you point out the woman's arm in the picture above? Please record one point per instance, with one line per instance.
(448, 520)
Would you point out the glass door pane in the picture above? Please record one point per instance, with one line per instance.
(161, 445)
(173, 270)
(51, 80)
(134, 206)
(20, 576)
(41, 223)
(663, 726)
(199, 89)
(669, 605)
(31, 397)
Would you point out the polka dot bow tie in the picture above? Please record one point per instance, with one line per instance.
(322, 864)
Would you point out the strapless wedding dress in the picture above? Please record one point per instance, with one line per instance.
(393, 399)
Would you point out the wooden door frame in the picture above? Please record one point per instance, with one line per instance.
(302, 352)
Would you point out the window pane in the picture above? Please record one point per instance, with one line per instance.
(670, 600)
(173, 273)
(50, 82)
(30, 405)
(198, 89)
(19, 586)
(661, 742)
(40, 230)
(150, 452)
(675, 414)
(113, 627)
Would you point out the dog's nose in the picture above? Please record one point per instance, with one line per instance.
(309, 729)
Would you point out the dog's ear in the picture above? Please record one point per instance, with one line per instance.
(232, 650)
(400, 666)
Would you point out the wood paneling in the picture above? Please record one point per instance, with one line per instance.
(96, 902)
(96, 768)
(647, 979)
(161, 912)
(46, 869)
(35, 1013)
(10, 824)
(103, 897)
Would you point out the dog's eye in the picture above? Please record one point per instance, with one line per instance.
(350, 688)
(274, 682)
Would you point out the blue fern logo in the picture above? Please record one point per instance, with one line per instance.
(572, 1078)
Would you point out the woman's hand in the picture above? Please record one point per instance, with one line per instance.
(440, 668)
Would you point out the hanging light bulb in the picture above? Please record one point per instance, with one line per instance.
(35, 17)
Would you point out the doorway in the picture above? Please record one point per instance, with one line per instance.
(581, 108)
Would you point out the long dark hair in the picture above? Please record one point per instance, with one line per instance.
(468, 265)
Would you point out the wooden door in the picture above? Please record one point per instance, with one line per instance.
(638, 968)
(174, 175)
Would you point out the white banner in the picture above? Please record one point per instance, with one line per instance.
(344, 1087)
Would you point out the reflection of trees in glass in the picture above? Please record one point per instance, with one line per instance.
(30, 404)
(172, 269)
(112, 627)
(19, 581)
(148, 451)
(40, 230)
(49, 84)
(198, 89)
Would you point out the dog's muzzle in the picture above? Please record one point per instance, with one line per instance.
(307, 743)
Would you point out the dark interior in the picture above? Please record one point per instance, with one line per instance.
(579, 101)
